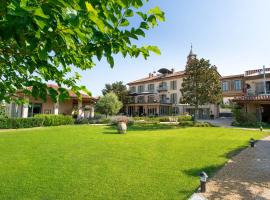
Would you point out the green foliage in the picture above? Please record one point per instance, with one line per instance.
(202, 124)
(41, 40)
(201, 84)
(55, 120)
(185, 118)
(82, 121)
(109, 104)
(186, 123)
(2, 110)
(15, 123)
(121, 91)
(164, 119)
(242, 118)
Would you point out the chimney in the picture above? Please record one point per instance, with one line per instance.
(173, 70)
(150, 75)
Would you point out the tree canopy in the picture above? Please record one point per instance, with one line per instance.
(43, 41)
(201, 84)
(109, 104)
(120, 89)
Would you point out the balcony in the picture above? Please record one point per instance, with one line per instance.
(162, 88)
(257, 92)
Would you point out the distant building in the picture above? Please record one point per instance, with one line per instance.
(255, 93)
(84, 106)
(159, 94)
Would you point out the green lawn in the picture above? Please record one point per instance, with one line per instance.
(87, 162)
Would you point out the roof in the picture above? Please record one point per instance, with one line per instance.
(71, 93)
(252, 98)
(157, 77)
(233, 76)
(256, 71)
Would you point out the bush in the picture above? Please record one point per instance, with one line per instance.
(186, 123)
(242, 118)
(82, 121)
(55, 120)
(164, 119)
(185, 118)
(202, 124)
(15, 123)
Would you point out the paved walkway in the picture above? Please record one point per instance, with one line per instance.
(245, 177)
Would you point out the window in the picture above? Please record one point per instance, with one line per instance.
(163, 98)
(173, 85)
(237, 85)
(140, 88)
(132, 89)
(225, 86)
(163, 86)
(141, 99)
(174, 98)
(151, 99)
(151, 88)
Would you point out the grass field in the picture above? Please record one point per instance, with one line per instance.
(91, 162)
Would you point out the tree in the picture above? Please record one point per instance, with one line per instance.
(201, 84)
(42, 41)
(120, 90)
(109, 104)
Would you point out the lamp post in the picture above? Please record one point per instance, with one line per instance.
(252, 142)
(203, 180)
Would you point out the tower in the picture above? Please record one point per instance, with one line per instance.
(191, 55)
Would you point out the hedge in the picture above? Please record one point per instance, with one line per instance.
(37, 121)
(55, 120)
(185, 118)
(186, 123)
(14, 123)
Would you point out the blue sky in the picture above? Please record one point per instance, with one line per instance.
(233, 34)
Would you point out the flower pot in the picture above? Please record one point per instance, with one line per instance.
(121, 127)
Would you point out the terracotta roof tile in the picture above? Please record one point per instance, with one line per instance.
(71, 93)
(159, 76)
(252, 98)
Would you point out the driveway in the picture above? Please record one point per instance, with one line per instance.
(245, 177)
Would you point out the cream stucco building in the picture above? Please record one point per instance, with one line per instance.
(159, 94)
(84, 107)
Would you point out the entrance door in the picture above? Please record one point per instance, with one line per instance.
(141, 111)
(266, 113)
(34, 108)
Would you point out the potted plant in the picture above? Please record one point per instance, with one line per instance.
(122, 124)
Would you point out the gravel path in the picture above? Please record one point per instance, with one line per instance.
(246, 176)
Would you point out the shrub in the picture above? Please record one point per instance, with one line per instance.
(202, 124)
(242, 118)
(82, 121)
(2, 111)
(55, 120)
(105, 121)
(186, 123)
(15, 123)
(164, 119)
(185, 118)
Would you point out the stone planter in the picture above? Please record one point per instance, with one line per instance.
(122, 127)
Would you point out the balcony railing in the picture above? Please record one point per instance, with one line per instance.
(162, 88)
(151, 102)
(260, 91)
